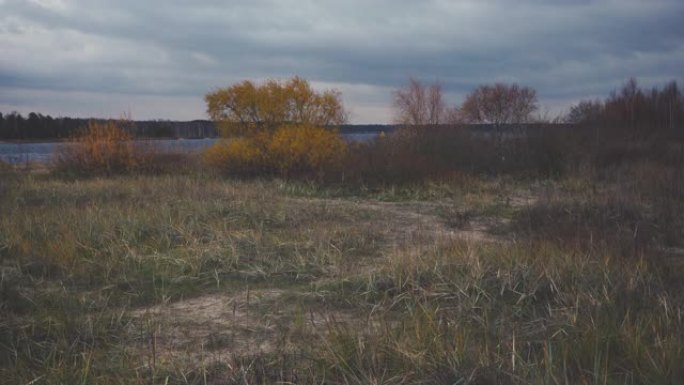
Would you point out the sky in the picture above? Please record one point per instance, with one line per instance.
(156, 59)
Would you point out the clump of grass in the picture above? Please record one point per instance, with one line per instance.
(613, 223)
(524, 314)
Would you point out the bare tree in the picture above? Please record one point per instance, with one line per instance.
(499, 104)
(418, 104)
(586, 111)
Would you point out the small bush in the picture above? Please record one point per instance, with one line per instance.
(101, 148)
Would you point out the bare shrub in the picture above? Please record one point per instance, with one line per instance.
(499, 104)
(413, 155)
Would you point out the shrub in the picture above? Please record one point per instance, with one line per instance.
(290, 151)
(238, 156)
(305, 149)
(101, 148)
(413, 154)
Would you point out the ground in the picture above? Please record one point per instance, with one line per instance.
(198, 279)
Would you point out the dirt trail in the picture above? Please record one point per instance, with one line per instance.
(417, 222)
(223, 325)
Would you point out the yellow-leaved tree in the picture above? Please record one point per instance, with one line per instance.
(246, 108)
(283, 126)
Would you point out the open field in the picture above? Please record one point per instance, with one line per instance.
(194, 279)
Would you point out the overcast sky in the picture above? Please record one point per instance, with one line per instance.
(157, 58)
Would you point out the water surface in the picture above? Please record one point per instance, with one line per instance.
(42, 152)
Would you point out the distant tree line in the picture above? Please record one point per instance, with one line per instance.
(35, 126)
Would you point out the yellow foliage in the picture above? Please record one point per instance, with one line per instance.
(289, 150)
(276, 126)
(246, 109)
(305, 148)
(101, 147)
(237, 155)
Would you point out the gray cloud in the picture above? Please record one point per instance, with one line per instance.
(176, 50)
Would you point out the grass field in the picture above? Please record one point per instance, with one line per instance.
(194, 279)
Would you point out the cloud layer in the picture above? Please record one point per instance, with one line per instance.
(158, 58)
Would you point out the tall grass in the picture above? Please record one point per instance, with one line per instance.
(365, 273)
(78, 256)
(538, 313)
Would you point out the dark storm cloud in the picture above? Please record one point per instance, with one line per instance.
(181, 49)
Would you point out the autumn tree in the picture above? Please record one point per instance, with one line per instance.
(419, 104)
(247, 108)
(499, 104)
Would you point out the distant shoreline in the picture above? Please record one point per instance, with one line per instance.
(67, 140)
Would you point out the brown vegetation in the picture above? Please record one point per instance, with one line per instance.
(105, 148)
(633, 111)
(100, 148)
(499, 104)
(420, 105)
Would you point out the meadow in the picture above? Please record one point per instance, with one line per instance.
(469, 270)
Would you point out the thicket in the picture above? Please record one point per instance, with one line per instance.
(100, 148)
(634, 112)
(632, 126)
(104, 148)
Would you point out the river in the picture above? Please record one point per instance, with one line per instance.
(42, 152)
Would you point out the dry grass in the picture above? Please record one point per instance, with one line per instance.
(192, 279)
